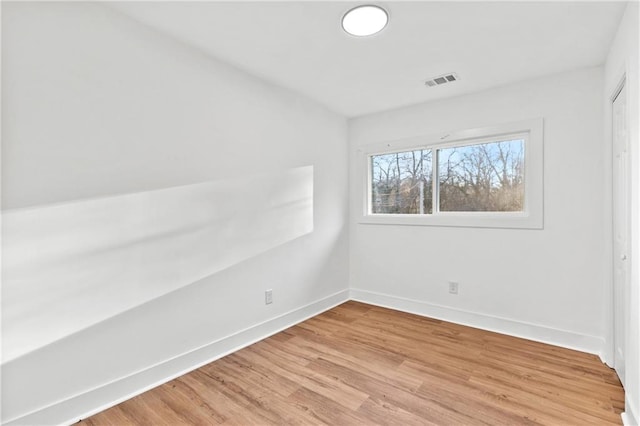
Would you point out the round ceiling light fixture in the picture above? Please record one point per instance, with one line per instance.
(365, 20)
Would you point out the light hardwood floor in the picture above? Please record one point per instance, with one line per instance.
(365, 365)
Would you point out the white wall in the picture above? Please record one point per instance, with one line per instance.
(544, 284)
(623, 59)
(97, 105)
(128, 249)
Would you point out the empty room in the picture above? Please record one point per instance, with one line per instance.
(317, 212)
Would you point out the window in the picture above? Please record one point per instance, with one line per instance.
(490, 177)
(401, 182)
(485, 177)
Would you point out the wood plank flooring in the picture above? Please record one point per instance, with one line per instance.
(363, 365)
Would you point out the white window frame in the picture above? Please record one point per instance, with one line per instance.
(530, 218)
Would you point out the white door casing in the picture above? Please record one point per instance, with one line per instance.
(621, 227)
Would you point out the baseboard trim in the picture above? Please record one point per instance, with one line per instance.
(110, 394)
(563, 338)
(629, 417)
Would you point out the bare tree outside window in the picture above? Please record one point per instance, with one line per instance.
(486, 177)
(401, 183)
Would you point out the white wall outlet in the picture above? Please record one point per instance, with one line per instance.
(268, 297)
(453, 287)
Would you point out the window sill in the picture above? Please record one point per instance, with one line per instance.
(463, 220)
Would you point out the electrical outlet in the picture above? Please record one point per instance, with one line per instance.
(268, 297)
(453, 287)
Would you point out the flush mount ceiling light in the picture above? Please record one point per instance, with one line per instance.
(365, 20)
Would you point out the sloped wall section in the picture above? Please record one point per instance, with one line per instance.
(122, 147)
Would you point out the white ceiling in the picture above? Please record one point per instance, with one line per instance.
(301, 45)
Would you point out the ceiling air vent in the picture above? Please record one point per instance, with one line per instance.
(442, 79)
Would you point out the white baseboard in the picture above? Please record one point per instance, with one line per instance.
(629, 417)
(563, 338)
(110, 394)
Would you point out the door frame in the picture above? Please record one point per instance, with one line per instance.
(618, 88)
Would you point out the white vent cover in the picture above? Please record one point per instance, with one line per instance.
(442, 79)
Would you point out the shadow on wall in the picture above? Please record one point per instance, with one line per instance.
(69, 266)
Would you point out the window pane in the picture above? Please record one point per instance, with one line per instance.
(401, 183)
(487, 177)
